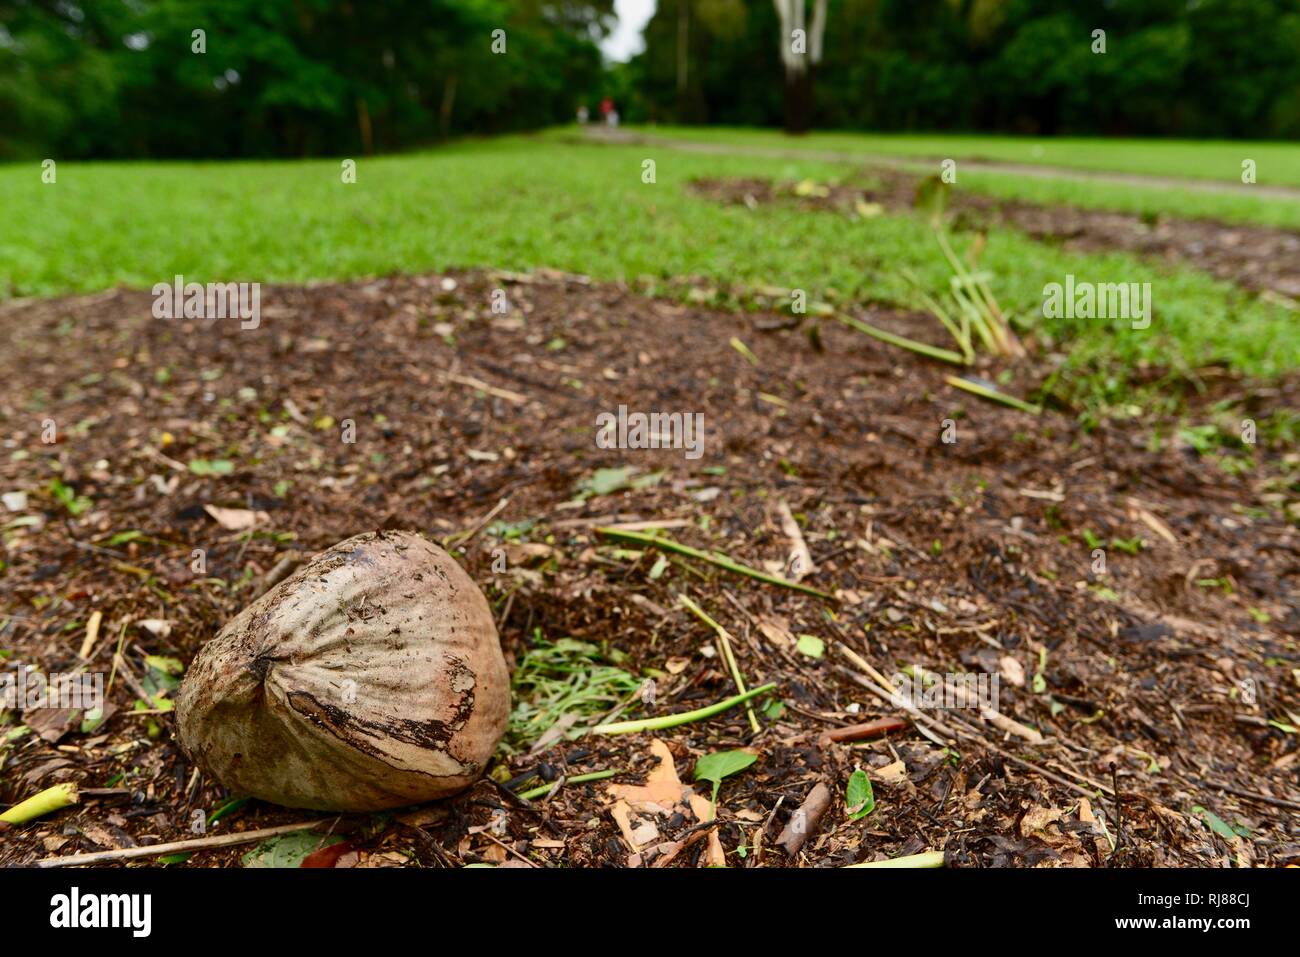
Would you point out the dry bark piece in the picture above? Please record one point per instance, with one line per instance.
(805, 820)
(370, 678)
(859, 732)
(800, 561)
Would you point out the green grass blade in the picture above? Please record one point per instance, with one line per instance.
(576, 779)
(684, 717)
(984, 392)
(934, 352)
(722, 561)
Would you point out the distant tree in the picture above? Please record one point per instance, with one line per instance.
(801, 51)
(286, 77)
(1170, 67)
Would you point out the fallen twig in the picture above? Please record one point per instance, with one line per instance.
(885, 691)
(860, 732)
(461, 537)
(1253, 795)
(760, 831)
(482, 386)
(279, 572)
(690, 837)
(175, 847)
(928, 859)
(508, 849)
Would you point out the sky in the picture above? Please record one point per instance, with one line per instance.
(625, 42)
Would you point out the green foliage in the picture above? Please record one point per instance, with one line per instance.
(566, 677)
(283, 77)
(72, 503)
(722, 764)
(810, 645)
(1218, 825)
(208, 468)
(609, 481)
(288, 850)
(859, 797)
(1212, 68)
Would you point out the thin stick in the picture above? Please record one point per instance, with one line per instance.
(465, 536)
(725, 640)
(889, 694)
(928, 859)
(722, 561)
(482, 386)
(684, 717)
(925, 349)
(174, 847)
(117, 656)
(857, 732)
(866, 666)
(508, 848)
(1253, 795)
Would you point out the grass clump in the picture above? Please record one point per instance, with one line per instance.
(565, 677)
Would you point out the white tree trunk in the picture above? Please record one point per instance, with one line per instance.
(792, 14)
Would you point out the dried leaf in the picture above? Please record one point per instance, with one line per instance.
(234, 519)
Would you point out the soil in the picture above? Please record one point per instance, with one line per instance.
(1165, 688)
(1259, 258)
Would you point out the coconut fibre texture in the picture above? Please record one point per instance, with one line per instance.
(371, 678)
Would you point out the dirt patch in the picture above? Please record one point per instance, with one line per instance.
(1259, 258)
(1163, 687)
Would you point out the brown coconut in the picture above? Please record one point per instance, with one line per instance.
(371, 678)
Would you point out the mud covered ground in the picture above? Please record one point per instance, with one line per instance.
(1145, 714)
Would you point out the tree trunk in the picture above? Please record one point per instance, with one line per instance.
(683, 56)
(448, 101)
(363, 126)
(798, 101)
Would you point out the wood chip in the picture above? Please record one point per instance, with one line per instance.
(805, 820)
(92, 635)
(799, 563)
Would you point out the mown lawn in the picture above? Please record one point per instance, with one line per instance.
(1277, 162)
(1145, 201)
(522, 202)
(1178, 159)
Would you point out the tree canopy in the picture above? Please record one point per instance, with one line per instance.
(1171, 67)
(286, 77)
